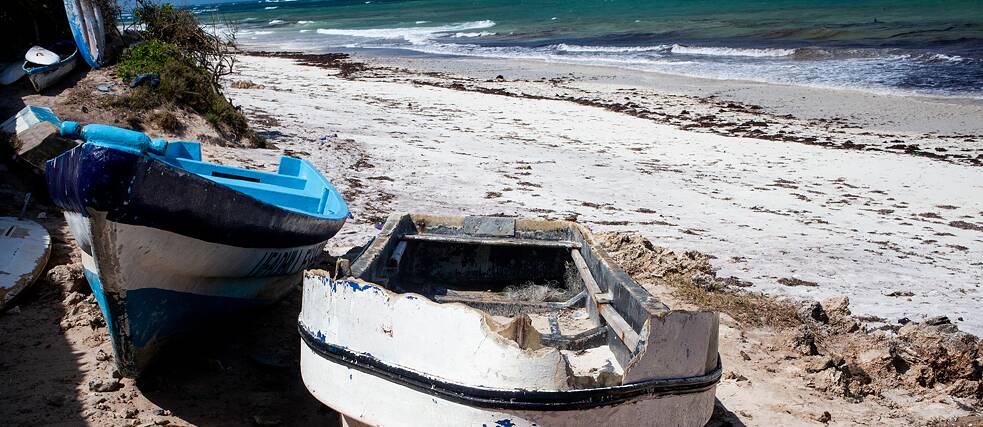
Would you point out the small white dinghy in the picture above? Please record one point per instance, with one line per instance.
(24, 249)
(500, 322)
(44, 76)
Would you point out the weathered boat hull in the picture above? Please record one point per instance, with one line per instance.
(388, 357)
(45, 76)
(377, 401)
(24, 250)
(165, 250)
(88, 28)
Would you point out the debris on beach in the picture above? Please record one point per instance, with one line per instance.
(838, 353)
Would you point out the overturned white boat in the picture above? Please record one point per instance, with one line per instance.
(500, 322)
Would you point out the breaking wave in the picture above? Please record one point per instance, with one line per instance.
(730, 51)
(414, 35)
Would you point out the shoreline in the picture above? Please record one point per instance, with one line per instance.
(403, 55)
(927, 127)
(773, 213)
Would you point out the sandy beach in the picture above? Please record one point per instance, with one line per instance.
(626, 213)
(782, 196)
(730, 169)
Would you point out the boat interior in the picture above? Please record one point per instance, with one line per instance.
(548, 272)
(296, 185)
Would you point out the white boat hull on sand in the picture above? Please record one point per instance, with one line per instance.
(24, 250)
(379, 402)
(44, 77)
(384, 355)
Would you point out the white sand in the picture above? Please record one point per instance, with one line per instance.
(857, 223)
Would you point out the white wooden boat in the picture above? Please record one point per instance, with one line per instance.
(44, 76)
(500, 322)
(24, 249)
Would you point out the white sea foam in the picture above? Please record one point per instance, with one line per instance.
(470, 35)
(277, 22)
(730, 51)
(562, 47)
(421, 22)
(271, 7)
(414, 35)
(305, 22)
(263, 33)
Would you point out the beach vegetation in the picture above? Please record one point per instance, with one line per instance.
(147, 57)
(190, 61)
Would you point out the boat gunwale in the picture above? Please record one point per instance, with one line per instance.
(51, 67)
(511, 399)
(217, 190)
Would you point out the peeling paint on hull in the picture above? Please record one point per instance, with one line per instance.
(24, 250)
(378, 402)
(383, 354)
(150, 299)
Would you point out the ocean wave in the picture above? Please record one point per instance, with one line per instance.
(677, 49)
(936, 58)
(271, 7)
(262, 33)
(305, 22)
(730, 51)
(277, 22)
(563, 47)
(414, 35)
(470, 35)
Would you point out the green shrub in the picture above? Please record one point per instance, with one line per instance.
(148, 57)
(186, 85)
(190, 61)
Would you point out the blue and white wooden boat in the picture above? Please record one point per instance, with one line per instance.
(170, 242)
(89, 30)
(43, 76)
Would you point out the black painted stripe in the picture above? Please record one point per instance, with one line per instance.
(531, 400)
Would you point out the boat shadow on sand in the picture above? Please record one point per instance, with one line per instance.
(244, 371)
(39, 368)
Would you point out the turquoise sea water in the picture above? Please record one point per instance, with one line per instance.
(926, 47)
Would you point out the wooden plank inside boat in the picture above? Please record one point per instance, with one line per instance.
(602, 302)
